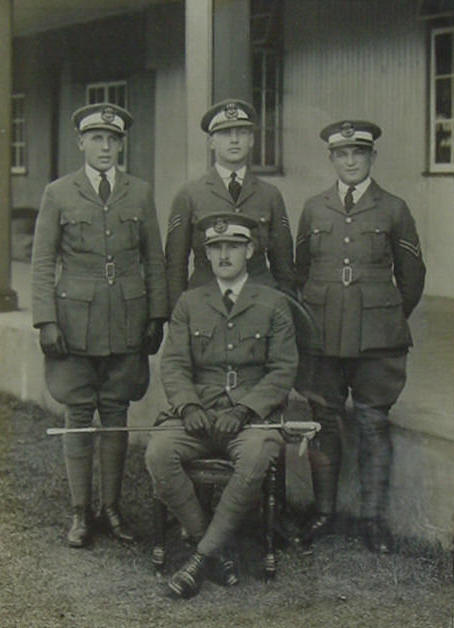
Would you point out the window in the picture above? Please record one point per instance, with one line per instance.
(442, 100)
(115, 93)
(267, 45)
(18, 145)
(431, 9)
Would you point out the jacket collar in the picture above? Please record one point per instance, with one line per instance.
(82, 182)
(217, 187)
(246, 299)
(367, 201)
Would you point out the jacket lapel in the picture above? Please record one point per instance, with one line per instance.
(121, 186)
(332, 199)
(213, 297)
(368, 200)
(246, 299)
(248, 188)
(217, 187)
(82, 182)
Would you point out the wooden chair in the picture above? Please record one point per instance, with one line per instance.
(209, 473)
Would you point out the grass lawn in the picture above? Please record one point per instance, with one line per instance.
(45, 584)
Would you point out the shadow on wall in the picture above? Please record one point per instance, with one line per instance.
(23, 221)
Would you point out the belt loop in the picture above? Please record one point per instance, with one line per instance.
(347, 275)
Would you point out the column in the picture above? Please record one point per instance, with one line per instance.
(8, 298)
(199, 52)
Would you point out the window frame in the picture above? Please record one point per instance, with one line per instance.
(105, 85)
(268, 47)
(16, 146)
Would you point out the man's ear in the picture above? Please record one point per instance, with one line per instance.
(250, 248)
(80, 141)
(373, 156)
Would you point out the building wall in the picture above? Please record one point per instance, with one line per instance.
(364, 59)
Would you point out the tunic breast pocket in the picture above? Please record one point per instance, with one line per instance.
(201, 341)
(319, 236)
(254, 343)
(375, 241)
(130, 224)
(77, 229)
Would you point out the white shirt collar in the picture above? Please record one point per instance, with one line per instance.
(360, 188)
(225, 174)
(236, 287)
(94, 176)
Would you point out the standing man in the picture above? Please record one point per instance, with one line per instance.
(361, 272)
(230, 358)
(99, 301)
(229, 186)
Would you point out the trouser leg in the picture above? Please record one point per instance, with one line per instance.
(112, 453)
(78, 453)
(325, 452)
(252, 451)
(166, 453)
(375, 454)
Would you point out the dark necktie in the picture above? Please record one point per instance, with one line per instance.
(348, 200)
(228, 302)
(234, 187)
(104, 187)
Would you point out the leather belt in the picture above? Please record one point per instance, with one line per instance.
(349, 274)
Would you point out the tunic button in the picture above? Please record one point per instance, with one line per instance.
(106, 209)
(108, 232)
(229, 347)
(262, 219)
(237, 209)
(257, 335)
(316, 230)
(109, 258)
(230, 325)
(135, 219)
(346, 240)
(63, 294)
(196, 333)
(348, 219)
(347, 260)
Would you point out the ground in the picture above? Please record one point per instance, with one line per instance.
(45, 584)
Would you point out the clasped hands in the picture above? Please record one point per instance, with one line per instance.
(228, 422)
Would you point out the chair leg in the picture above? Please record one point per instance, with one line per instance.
(269, 512)
(158, 555)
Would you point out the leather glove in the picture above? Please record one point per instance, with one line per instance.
(232, 420)
(52, 341)
(153, 335)
(195, 420)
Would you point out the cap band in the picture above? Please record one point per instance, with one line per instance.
(229, 232)
(237, 115)
(362, 136)
(100, 119)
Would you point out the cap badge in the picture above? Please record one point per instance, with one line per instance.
(108, 114)
(231, 111)
(347, 129)
(220, 226)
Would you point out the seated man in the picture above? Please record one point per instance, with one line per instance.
(230, 358)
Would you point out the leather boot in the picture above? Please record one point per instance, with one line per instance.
(377, 536)
(112, 522)
(186, 582)
(81, 529)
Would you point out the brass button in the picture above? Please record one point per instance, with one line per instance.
(347, 260)
(257, 335)
(108, 232)
(346, 240)
(229, 347)
(348, 220)
(106, 208)
(63, 294)
(230, 325)
(197, 333)
(109, 258)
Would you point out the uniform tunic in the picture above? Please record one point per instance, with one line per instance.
(208, 195)
(360, 273)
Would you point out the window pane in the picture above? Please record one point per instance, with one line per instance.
(270, 156)
(443, 98)
(443, 54)
(443, 138)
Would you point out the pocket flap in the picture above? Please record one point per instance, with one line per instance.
(130, 213)
(380, 295)
(81, 290)
(315, 293)
(325, 226)
(373, 227)
(256, 331)
(133, 287)
(201, 330)
(76, 216)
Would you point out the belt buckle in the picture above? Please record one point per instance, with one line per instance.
(231, 379)
(347, 275)
(110, 272)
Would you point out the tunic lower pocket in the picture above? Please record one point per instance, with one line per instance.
(74, 299)
(136, 310)
(383, 324)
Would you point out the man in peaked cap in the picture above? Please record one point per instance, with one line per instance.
(229, 186)
(361, 272)
(230, 358)
(105, 314)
